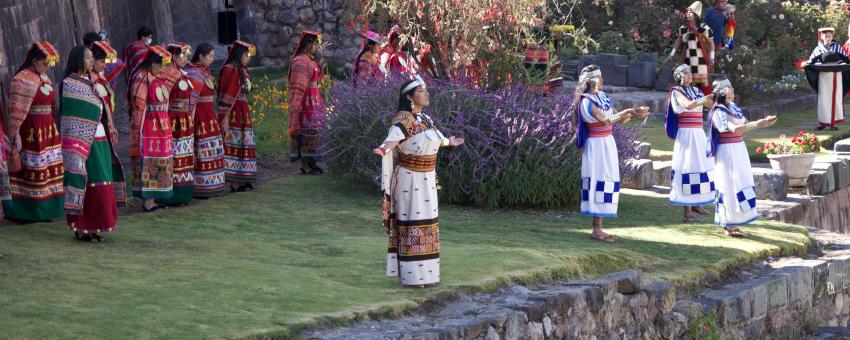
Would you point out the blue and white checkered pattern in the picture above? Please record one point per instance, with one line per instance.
(607, 192)
(747, 199)
(697, 183)
(585, 189)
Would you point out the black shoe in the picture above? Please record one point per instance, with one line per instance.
(820, 128)
(82, 237)
(303, 171)
(97, 238)
(316, 171)
(154, 208)
(834, 128)
(245, 187)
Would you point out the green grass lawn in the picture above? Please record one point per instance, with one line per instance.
(789, 123)
(301, 249)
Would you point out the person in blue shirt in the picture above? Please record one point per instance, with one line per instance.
(716, 20)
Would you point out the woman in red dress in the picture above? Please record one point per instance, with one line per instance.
(306, 106)
(234, 117)
(367, 67)
(209, 145)
(181, 112)
(150, 131)
(35, 170)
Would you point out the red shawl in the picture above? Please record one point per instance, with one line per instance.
(229, 86)
(138, 106)
(300, 73)
(134, 55)
(22, 93)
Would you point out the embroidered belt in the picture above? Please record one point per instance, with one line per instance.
(157, 107)
(599, 130)
(418, 163)
(41, 109)
(100, 138)
(178, 105)
(690, 120)
(730, 137)
(206, 99)
(242, 97)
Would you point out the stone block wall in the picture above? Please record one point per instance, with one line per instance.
(64, 22)
(276, 25)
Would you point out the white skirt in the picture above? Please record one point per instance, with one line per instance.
(600, 177)
(736, 202)
(830, 97)
(414, 200)
(692, 176)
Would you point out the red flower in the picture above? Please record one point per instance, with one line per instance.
(805, 143)
(794, 140)
(800, 133)
(758, 150)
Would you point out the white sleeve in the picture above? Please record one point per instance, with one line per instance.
(720, 120)
(394, 135)
(586, 110)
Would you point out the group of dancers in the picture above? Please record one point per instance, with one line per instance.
(191, 133)
(704, 170)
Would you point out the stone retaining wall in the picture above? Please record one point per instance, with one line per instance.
(782, 301)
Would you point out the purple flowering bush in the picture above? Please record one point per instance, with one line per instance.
(519, 150)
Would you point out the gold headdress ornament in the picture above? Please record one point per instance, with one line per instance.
(252, 50)
(185, 48)
(696, 7)
(111, 54)
(49, 51)
(162, 52)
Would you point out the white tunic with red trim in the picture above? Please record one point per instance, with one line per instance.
(692, 176)
(600, 168)
(736, 199)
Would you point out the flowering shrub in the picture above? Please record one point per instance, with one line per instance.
(519, 149)
(269, 104)
(802, 143)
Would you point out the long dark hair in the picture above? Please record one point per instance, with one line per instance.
(366, 48)
(152, 58)
(235, 59)
(76, 61)
(201, 51)
(308, 40)
(33, 55)
(405, 104)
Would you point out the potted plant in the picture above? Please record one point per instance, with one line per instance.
(794, 159)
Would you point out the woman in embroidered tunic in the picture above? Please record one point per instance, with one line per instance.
(306, 106)
(409, 185)
(90, 196)
(692, 182)
(736, 200)
(35, 170)
(600, 168)
(366, 66)
(234, 117)
(181, 113)
(209, 145)
(698, 52)
(150, 131)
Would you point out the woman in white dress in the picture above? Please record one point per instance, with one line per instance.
(692, 178)
(409, 185)
(736, 199)
(600, 168)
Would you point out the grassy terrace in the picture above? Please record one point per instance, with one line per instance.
(301, 249)
(789, 123)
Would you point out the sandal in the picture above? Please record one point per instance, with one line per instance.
(690, 219)
(606, 238)
(245, 187)
(97, 238)
(315, 171)
(834, 128)
(820, 128)
(699, 210)
(303, 171)
(154, 208)
(736, 233)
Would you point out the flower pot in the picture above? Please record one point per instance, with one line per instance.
(795, 166)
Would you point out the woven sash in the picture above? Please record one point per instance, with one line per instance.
(418, 163)
(599, 130)
(730, 137)
(690, 120)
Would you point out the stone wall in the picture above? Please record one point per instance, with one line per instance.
(275, 26)
(64, 22)
(778, 300)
